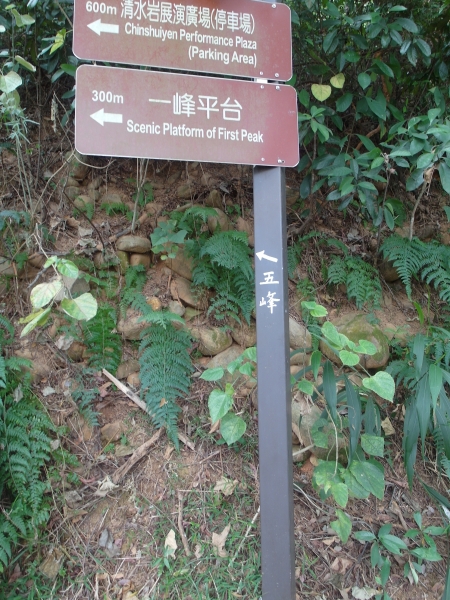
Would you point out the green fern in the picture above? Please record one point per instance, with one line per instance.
(360, 278)
(156, 317)
(193, 219)
(115, 208)
(165, 368)
(224, 266)
(103, 342)
(135, 279)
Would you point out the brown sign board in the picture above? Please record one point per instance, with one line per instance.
(151, 114)
(244, 38)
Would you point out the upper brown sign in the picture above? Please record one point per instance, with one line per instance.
(244, 38)
(150, 114)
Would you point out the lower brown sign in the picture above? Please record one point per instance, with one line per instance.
(148, 114)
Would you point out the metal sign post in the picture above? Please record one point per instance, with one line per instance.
(274, 394)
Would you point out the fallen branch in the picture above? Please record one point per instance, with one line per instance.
(135, 457)
(180, 524)
(142, 405)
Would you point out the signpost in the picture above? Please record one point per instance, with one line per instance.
(149, 114)
(234, 37)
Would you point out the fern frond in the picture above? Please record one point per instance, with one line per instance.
(229, 249)
(103, 342)
(361, 279)
(165, 368)
(407, 257)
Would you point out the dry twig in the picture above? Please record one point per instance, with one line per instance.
(180, 524)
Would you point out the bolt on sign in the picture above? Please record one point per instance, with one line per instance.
(150, 114)
(244, 38)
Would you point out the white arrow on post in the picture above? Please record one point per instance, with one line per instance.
(102, 117)
(98, 27)
(262, 255)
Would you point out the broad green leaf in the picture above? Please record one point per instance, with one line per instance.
(425, 160)
(352, 56)
(407, 24)
(444, 173)
(397, 8)
(82, 308)
(40, 319)
(392, 543)
(369, 476)
(344, 102)
(316, 359)
(366, 347)
(332, 334)
(44, 293)
(385, 571)
(364, 536)
(378, 106)
(25, 63)
(423, 46)
(364, 80)
(235, 364)
(250, 353)
(306, 387)
(212, 374)
(382, 384)
(435, 382)
(375, 555)
(9, 82)
(338, 81)
(320, 92)
(232, 428)
(330, 389)
(340, 493)
(354, 417)
(384, 68)
(328, 40)
(304, 98)
(343, 526)
(416, 179)
(390, 222)
(372, 444)
(427, 554)
(247, 369)
(316, 310)
(355, 489)
(219, 403)
(348, 358)
(67, 268)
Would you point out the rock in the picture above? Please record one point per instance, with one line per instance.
(173, 178)
(134, 243)
(304, 416)
(247, 227)
(95, 183)
(126, 368)
(124, 260)
(73, 192)
(75, 351)
(154, 208)
(356, 327)
(176, 308)
(214, 199)
(154, 302)
(6, 267)
(182, 264)
(94, 195)
(39, 367)
(181, 288)
(292, 195)
(112, 432)
(299, 336)
(78, 167)
(69, 181)
(134, 380)
(130, 327)
(388, 271)
(221, 221)
(212, 340)
(140, 259)
(223, 359)
(300, 358)
(111, 198)
(243, 334)
(184, 191)
(52, 564)
(124, 451)
(37, 260)
(208, 180)
(191, 313)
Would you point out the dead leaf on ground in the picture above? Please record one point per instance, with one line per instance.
(340, 565)
(48, 391)
(387, 427)
(364, 593)
(171, 544)
(198, 552)
(218, 542)
(105, 486)
(329, 541)
(168, 451)
(226, 486)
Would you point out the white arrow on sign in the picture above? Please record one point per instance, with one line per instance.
(101, 117)
(98, 27)
(261, 255)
